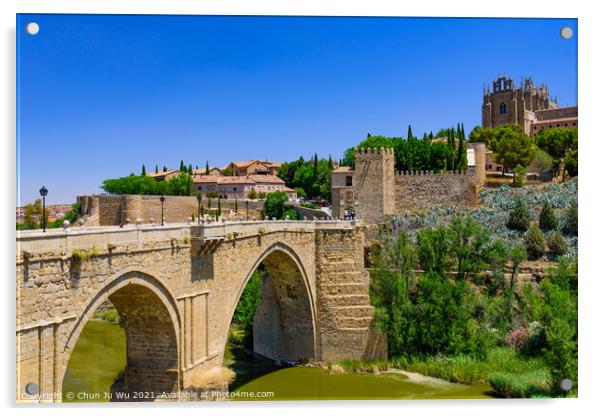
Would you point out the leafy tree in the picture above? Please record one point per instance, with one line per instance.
(290, 213)
(557, 244)
(434, 250)
(559, 143)
(517, 255)
(541, 163)
(300, 192)
(512, 147)
(252, 194)
(481, 134)
(274, 205)
(246, 306)
(143, 171)
(571, 222)
(519, 176)
(467, 244)
(228, 171)
(548, 220)
(520, 216)
(535, 242)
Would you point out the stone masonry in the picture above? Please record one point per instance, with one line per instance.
(378, 191)
(176, 288)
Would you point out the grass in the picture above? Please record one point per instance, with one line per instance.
(509, 374)
(96, 361)
(528, 384)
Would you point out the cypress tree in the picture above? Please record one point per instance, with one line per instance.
(236, 204)
(330, 164)
(190, 169)
(156, 168)
(182, 166)
(219, 206)
(143, 171)
(207, 167)
(547, 218)
(410, 132)
(164, 168)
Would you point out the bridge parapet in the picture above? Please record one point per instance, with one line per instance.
(59, 240)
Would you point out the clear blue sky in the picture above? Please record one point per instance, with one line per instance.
(98, 96)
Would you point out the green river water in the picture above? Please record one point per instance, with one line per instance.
(99, 356)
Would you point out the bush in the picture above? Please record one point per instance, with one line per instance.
(547, 218)
(571, 223)
(291, 214)
(274, 205)
(520, 385)
(520, 216)
(519, 176)
(557, 245)
(535, 242)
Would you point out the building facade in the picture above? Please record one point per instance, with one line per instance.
(528, 106)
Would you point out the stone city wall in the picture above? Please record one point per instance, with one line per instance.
(117, 209)
(421, 190)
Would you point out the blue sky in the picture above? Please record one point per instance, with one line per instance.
(98, 96)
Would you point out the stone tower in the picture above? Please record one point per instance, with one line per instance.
(507, 104)
(374, 184)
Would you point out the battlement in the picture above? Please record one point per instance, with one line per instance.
(467, 172)
(374, 151)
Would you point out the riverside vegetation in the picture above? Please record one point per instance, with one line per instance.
(482, 325)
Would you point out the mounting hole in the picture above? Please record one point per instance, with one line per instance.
(566, 32)
(32, 28)
(566, 384)
(32, 388)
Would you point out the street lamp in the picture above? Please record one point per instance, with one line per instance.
(43, 193)
(162, 199)
(199, 199)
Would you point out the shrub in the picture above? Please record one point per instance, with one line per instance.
(571, 219)
(519, 176)
(520, 216)
(517, 338)
(535, 242)
(520, 385)
(291, 214)
(547, 218)
(557, 244)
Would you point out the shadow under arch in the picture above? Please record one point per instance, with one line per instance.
(151, 322)
(284, 324)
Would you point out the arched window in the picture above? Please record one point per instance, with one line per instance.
(503, 109)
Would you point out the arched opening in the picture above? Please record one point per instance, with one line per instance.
(130, 323)
(273, 322)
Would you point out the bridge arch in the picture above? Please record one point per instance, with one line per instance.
(151, 321)
(284, 325)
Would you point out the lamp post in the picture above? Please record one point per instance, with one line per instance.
(199, 199)
(43, 193)
(247, 208)
(162, 199)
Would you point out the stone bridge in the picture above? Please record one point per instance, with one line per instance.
(176, 287)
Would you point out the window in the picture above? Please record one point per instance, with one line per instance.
(503, 108)
(348, 180)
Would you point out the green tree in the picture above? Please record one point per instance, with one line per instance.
(517, 254)
(481, 135)
(190, 169)
(207, 167)
(559, 143)
(535, 242)
(512, 147)
(290, 213)
(520, 216)
(182, 166)
(467, 245)
(571, 221)
(156, 168)
(274, 205)
(252, 194)
(547, 217)
(433, 250)
(557, 245)
(143, 173)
